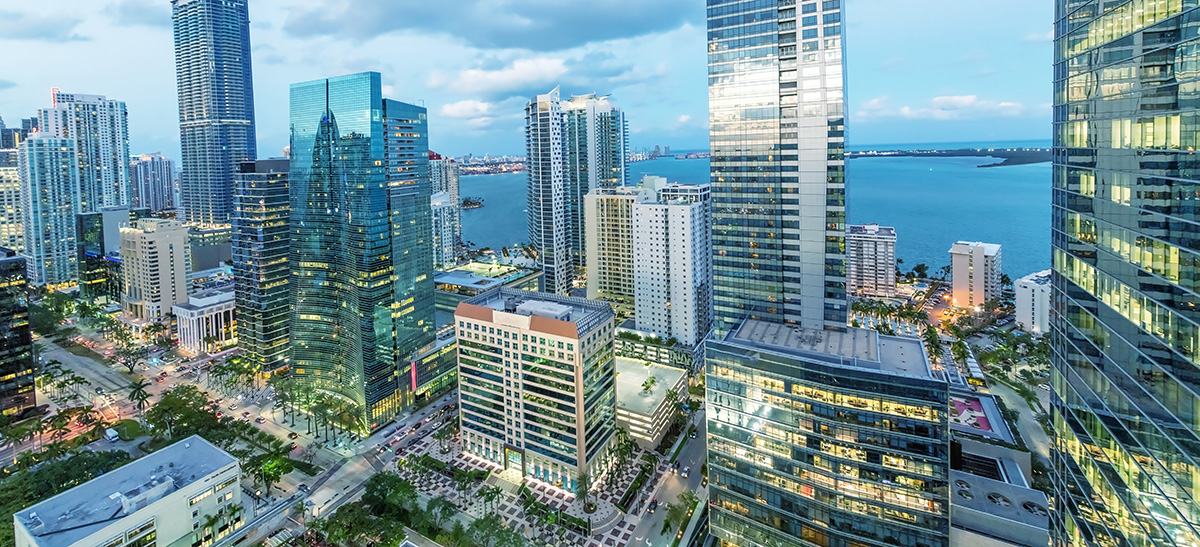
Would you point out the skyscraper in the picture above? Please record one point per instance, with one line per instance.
(152, 182)
(362, 290)
(216, 103)
(776, 126)
(260, 261)
(154, 269)
(546, 195)
(12, 235)
(595, 151)
(1123, 307)
(100, 129)
(871, 260)
(98, 238)
(16, 345)
(447, 209)
(49, 203)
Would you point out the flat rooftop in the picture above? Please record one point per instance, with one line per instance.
(858, 348)
(632, 373)
(998, 499)
(481, 276)
(86, 509)
(583, 313)
(871, 230)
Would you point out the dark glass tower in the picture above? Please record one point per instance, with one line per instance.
(362, 290)
(216, 103)
(1124, 323)
(776, 126)
(260, 261)
(16, 346)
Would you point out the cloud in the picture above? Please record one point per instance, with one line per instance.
(684, 119)
(465, 109)
(140, 13)
(536, 25)
(30, 26)
(522, 77)
(945, 107)
(7, 84)
(1038, 37)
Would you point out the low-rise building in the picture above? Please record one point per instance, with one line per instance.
(992, 503)
(871, 260)
(646, 414)
(1033, 302)
(206, 322)
(166, 498)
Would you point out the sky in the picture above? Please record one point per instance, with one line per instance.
(918, 70)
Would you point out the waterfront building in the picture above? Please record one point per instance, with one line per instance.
(98, 238)
(595, 150)
(1124, 320)
(206, 322)
(608, 215)
(12, 234)
(100, 129)
(820, 437)
(536, 383)
(216, 103)
(188, 493)
(447, 229)
(975, 273)
(1033, 302)
(777, 136)
(647, 413)
(546, 194)
(16, 343)
(152, 182)
(261, 242)
(362, 314)
(49, 202)
(154, 269)
(443, 176)
(871, 260)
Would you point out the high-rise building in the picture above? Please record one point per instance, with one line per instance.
(608, 221)
(100, 128)
(362, 305)
(443, 176)
(594, 148)
(446, 210)
(261, 242)
(871, 260)
(154, 268)
(12, 235)
(975, 273)
(777, 138)
(819, 437)
(16, 344)
(1123, 309)
(546, 194)
(11, 137)
(98, 238)
(152, 182)
(1032, 300)
(216, 103)
(49, 203)
(537, 383)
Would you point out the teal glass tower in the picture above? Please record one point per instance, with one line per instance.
(1125, 325)
(362, 294)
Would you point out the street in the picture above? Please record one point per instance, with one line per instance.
(672, 484)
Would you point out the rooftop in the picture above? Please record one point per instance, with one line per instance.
(870, 229)
(965, 247)
(632, 373)
(480, 275)
(207, 298)
(998, 499)
(1036, 278)
(86, 509)
(858, 348)
(555, 314)
(440, 199)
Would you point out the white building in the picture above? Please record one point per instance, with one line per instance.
(12, 235)
(646, 414)
(164, 498)
(206, 322)
(49, 202)
(154, 268)
(546, 195)
(100, 129)
(871, 260)
(443, 176)
(447, 229)
(152, 182)
(975, 273)
(1033, 302)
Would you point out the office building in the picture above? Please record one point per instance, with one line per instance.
(154, 269)
(16, 344)
(447, 229)
(12, 234)
(211, 246)
(152, 182)
(261, 243)
(871, 260)
(49, 202)
(1123, 320)
(595, 150)
(100, 129)
(98, 238)
(608, 215)
(206, 322)
(359, 315)
(820, 437)
(993, 504)
(546, 193)
(1033, 302)
(777, 139)
(536, 383)
(216, 103)
(187, 494)
(974, 273)
(435, 370)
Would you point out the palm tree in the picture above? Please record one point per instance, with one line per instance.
(490, 495)
(139, 395)
(301, 510)
(443, 437)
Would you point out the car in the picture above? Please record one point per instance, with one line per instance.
(220, 415)
(292, 446)
(246, 414)
(173, 385)
(219, 401)
(686, 471)
(99, 391)
(246, 419)
(164, 374)
(303, 488)
(293, 435)
(693, 435)
(399, 450)
(675, 467)
(653, 504)
(259, 420)
(704, 482)
(160, 380)
(233, 406)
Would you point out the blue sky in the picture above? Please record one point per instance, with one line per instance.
(919, 70)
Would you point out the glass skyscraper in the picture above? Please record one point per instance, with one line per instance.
(16, 345)
(362, 295)
(216, 103)
(260, 261)
(1124, 322)
(776, 126)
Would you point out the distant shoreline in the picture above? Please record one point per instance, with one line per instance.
(1007, 156)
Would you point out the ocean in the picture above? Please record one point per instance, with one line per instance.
(932, 202)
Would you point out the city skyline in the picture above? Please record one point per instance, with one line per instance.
(474, 87)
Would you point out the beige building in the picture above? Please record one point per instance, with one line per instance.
(206, 322)
(975, 273)
(165, 498)
(154, 267)
(608, 221)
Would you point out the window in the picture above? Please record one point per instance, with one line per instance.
(200, 497)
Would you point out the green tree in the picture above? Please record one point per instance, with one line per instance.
(139, 395)
(443, 436)
(440, 510)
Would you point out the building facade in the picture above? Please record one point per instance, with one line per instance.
(152, 182)
(536, 383)
(975, 273)
(546, 192)
(206, 322)
(446, 206)
(871, 260)
(216, 103)
(100, 129)
(261, 243)
(608, 215)
(777, 139)
(12, 234)
(49, 202)
(595, 150)
(16, 344)
(362, 313)
(825, 438)
(1033, 302)
(154, 270)
(98, 238)
(1124, 324)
